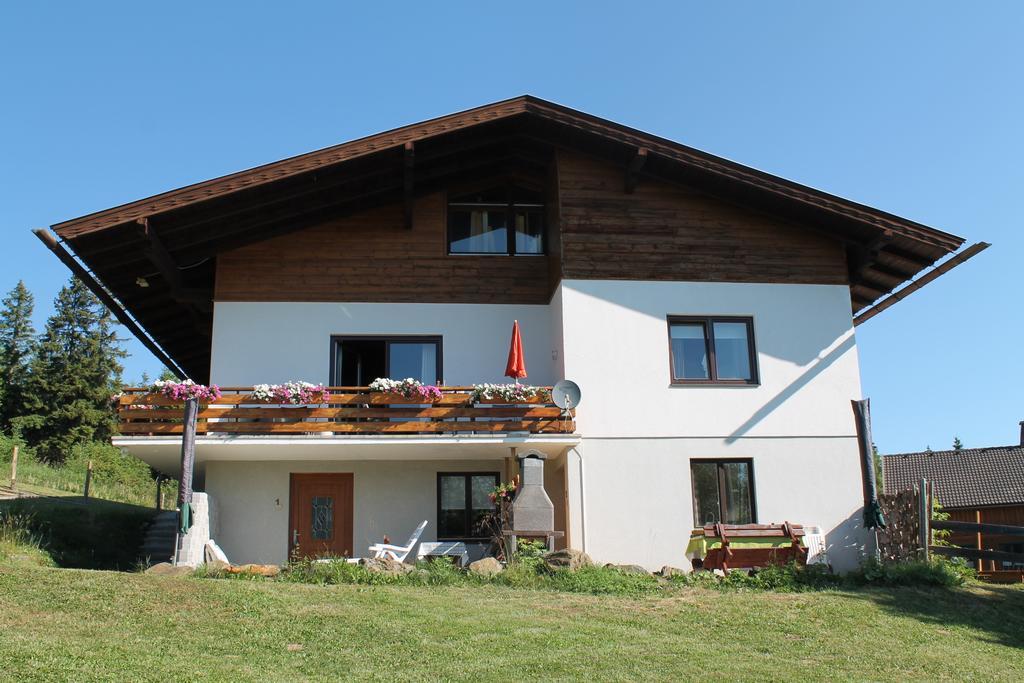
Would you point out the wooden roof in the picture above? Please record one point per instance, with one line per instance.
(175, 235)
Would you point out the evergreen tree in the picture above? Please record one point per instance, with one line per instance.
(74, 373)
(166, 374)
(17, 343)
(957, 444)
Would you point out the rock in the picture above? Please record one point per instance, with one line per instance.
(568, 558)
(668, 572)
(168, 569)
(628, 568)
(216, 566)
(488, 566)
(385, 565)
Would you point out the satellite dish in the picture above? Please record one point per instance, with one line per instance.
(566, 394)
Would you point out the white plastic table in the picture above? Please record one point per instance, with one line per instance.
(444, 549)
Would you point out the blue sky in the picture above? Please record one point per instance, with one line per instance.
(915, 108)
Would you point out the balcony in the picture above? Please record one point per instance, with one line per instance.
(348, 411)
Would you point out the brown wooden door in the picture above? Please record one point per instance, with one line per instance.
(320, 516)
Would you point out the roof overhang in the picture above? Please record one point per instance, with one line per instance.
(155, 257)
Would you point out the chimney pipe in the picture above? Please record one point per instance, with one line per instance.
(1022, 432)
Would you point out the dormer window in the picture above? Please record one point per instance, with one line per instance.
(507, 220)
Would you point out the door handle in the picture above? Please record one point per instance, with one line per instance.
(295, 537)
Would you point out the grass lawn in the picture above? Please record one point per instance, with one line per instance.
(91, 625)
(71, 531)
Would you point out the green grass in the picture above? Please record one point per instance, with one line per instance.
(73, 532)
(69, 480)
(60, 624)
(18, 545)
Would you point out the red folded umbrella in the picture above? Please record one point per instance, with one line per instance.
(516, 367)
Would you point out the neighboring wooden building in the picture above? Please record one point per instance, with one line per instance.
(980, 485)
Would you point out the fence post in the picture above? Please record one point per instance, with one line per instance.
(88, 479)
(159, 492)
(14, 466)
(977, 540)
(924, 517)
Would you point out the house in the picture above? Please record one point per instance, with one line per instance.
(978, 485)
(705, 309)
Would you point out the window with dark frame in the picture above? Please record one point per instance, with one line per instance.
(723, 491)
(463, 504)
(712, 350)
(358, 360)
(504, 221)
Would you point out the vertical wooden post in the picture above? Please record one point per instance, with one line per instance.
(14, 466)
(931, 511)
(924, 516)
(88, 479)
(159, 492)
(977, 520)
(188, 459)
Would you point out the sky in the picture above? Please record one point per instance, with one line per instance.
(916, 108)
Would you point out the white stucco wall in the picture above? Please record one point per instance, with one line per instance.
(616, 348)
(640, 507)
(278, 342)
(629, 481)
(390, 497)
(640, 432)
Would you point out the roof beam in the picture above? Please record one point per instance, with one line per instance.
(47, 238)
(157, 253)
(861, 257)
(920, 282)
(633, 169)
(408, 183)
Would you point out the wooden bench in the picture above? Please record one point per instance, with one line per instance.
(726, 557)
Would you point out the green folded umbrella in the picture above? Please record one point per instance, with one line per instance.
(184, 518)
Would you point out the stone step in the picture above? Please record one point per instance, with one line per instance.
(158, 544)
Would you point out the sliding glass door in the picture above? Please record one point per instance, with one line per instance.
(357, 361)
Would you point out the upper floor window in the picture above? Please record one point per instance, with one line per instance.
(712, 350)
(508, 220)
(358, 360)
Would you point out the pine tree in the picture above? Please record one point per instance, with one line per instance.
(17, 343)
(74, 373)
(957, 444)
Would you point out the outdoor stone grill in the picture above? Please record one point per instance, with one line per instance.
(533, 513)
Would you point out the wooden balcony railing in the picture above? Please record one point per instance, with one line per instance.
(349, 410)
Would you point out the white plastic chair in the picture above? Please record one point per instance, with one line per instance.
(814, 541)
(398, 552)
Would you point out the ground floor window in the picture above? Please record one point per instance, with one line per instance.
(463, 503)
(1012, 548)
(723, 491)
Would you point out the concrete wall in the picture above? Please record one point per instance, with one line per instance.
(279, 342)
(390, 497)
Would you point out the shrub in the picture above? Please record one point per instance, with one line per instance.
(789, 578)
(935, 572)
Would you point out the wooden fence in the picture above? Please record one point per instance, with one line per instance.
(911, 527)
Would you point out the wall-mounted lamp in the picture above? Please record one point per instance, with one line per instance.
(141, 282)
